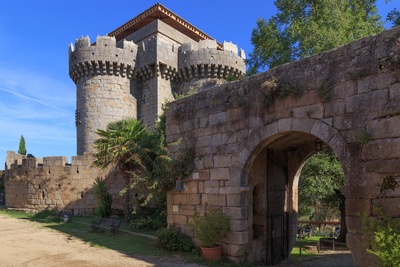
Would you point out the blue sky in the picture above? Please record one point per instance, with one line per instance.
(37, 97)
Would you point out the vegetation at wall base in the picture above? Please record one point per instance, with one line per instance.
(104, 198)
(142, 156)
(211, 228)
(385, 238)
(172, 239)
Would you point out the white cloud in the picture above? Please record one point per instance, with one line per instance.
(39, 107)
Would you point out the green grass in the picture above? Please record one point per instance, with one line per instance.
(129, 244)
(305, 256)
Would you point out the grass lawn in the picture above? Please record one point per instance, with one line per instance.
(122, 242)
(305, 255)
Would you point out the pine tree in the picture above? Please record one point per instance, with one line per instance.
(22, 147)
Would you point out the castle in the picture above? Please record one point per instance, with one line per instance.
(138, 67)
(131, 72)
(249, 151)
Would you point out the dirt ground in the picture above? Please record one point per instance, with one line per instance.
(25, 243)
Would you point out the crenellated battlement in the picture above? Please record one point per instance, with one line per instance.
(17, 162)
(105, 57)
(205, 60)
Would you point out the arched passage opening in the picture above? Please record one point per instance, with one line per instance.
(273, 177)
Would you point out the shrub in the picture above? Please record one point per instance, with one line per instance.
(173, 240)
(385, 241)
(211, 228)
(104, 198)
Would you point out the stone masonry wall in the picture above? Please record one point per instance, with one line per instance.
(102, 74)
(52, 183)
(350, 100)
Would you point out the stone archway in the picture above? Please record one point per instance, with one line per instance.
(272, 180)
(350, 101)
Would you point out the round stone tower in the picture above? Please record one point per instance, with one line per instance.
(103, 74)
(203, 65)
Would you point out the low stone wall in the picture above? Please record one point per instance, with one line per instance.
(52, 183)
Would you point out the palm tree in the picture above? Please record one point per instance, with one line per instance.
(126, 146)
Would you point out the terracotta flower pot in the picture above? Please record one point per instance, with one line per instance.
(212, 253)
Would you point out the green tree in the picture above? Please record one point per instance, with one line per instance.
(303, 28)
(142, 157)
(22, 147)
(319, 189)
(393, 16)
(124, 146)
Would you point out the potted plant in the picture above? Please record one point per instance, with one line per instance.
(210, 229)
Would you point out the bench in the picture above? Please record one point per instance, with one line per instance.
(112, 224)
(65, 216)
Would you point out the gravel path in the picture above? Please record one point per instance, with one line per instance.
(25, 243)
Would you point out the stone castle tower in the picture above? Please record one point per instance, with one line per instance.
(129, 73)
(134, 70)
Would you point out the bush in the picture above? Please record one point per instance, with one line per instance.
(150, 218)
(385, 243)
(172, 239)
(104, 198)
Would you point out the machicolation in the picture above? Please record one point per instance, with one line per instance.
(249, 151)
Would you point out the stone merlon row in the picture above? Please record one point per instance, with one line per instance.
(195, 60)
(16, 161)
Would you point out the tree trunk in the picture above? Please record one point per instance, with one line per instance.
(343, 225)
(128, 199)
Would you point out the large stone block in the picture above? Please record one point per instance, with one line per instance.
(219, 174)
(236, 200)
(222, 161)
(194, 199)
(355, 224)
(214, 199)
(237, 238)
(367, 101)
(236, 213)
(390, 206)
(384, 127)
(381, 149)
(358, 207)
(238, 225)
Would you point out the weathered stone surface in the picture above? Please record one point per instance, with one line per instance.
(236, 213)
(219, 174)
(358, 207)
(238, 225)
(390, 206)
(358, 244)
(214, 200)
(237, 238)
(381, 149)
